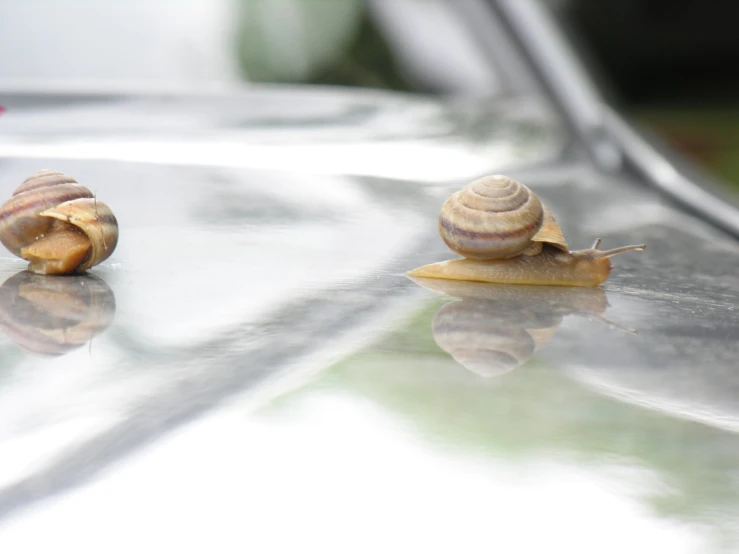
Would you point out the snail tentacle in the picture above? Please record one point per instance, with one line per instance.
(615, 251)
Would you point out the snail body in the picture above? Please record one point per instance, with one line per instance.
(507, 235)
(57, 225)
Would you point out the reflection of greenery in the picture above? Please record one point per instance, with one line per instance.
(10, 357)
(316, 42)
(536, 412)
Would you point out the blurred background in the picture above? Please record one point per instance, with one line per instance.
(669, 63)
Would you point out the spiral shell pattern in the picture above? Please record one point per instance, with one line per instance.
(47, 220)
(494, 217)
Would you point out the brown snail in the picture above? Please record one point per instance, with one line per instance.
(507, 235)
(57, 225)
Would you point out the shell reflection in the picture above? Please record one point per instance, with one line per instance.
(53, 315)
(493, 329)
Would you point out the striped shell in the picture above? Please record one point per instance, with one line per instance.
(57, 224)
(496, 217)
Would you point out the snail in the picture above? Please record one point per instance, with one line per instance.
(507, 235)
(494, 329)
(57, 225)
(51, 315)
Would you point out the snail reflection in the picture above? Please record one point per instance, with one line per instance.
(493, 329)
(52, 315)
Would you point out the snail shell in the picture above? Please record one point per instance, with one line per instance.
(57, 225)
(495, 218)
(507, 235)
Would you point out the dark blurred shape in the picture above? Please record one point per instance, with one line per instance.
(414, 46)
(496, 328)
(367, 61)
(53, 315)
(316, 42)
(663, 50)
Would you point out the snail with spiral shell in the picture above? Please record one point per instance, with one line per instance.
(507, 235)
(57, 225)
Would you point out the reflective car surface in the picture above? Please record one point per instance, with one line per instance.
(257, 355)
(252, 369)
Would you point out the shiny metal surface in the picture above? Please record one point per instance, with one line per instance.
(270, 379)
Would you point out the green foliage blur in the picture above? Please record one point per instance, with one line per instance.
(321, 42)
(535, 414)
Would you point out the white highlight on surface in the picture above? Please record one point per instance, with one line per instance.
(402, 159)
(656, 400)
(336, 475)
